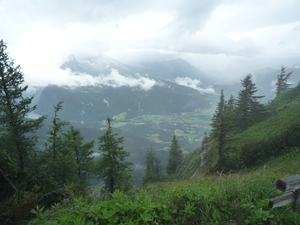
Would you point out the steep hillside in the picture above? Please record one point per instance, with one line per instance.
(276, 134)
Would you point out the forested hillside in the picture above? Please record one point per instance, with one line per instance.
(234, 144)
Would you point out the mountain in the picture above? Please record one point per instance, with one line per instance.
(91, 104)
(102, 64)
(172, 69)
(124, 88)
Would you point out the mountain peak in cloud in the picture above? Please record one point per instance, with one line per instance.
(100, 64)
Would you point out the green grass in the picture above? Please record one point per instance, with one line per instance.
(286, 97)
(271, 126)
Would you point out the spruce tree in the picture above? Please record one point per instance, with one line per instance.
(282, 81)
(17, 133)
(230, 116)
(218, 116)
(153, 169)
(248, 108)
(175, 156)
(220, 128)
(83, 156)
(112, 167)
(61, 163)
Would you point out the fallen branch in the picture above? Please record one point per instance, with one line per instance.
(9, 181)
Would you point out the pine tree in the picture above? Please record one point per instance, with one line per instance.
(83, 155)
(218, 116)
(17, 133)
(153, 169)
(175, 156)
(229, 111)
(61, 163)
(248, 109)
(282, 81)
(112, 167)
(220, 128)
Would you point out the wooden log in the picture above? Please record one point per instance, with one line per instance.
(282, 200)
(289, 184)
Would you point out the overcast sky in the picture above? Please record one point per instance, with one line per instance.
(221, 37)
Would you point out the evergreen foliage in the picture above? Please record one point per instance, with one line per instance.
(282, 81)
(230, 116)
(248, 108)
(17, 143)
(112, 167)
(153, 169)
(59, 155)
(222, 122)
(83, 156)
(17, 133)
(175, 156)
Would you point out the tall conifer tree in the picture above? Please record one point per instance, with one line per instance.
(17, 138)
(220, 128)
(175, 156)
(112, 167)
(230, 116)
(282, 81)
(153, 169)
(248, 109)
(83, 156)
(61, 162)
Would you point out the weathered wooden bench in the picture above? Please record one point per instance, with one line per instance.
(290, 185)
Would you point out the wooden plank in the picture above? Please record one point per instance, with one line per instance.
(289, 184)
(282, 200)
(296, 204)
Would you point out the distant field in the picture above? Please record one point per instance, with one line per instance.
(188, 127)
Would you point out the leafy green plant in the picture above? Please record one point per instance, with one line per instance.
(257, 213)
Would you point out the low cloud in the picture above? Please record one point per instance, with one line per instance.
(117, 80)
(114, 79)
(188, 82)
